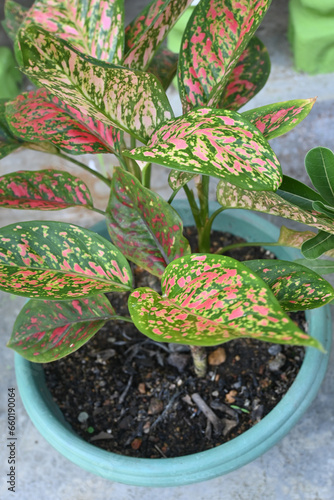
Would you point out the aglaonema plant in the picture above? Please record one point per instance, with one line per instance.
(100, 89)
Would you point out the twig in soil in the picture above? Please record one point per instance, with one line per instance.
(160, 451)
(217, 405)
(126, 390)
(217, 424)
(166, 410)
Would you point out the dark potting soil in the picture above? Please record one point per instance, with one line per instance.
(128, 394)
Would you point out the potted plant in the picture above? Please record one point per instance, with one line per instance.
(102, 89)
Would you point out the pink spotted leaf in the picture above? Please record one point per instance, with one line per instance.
(56, 260)
(295, 287)
(210, 299)
(14, 17)
(214, 142)
(48, 330)
(146, 229)
(43, 190)
(115, 96)
(215, 37)
(277, 119)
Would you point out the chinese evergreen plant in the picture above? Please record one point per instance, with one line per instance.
(100, 89)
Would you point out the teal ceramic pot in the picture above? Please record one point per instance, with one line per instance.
(208, 464)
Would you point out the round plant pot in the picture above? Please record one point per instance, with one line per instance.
(202, 466)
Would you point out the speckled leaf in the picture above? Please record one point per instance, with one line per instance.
(43, 190)
(230, 196)
(215, 37)
(48, 330)
(295, 239)
(8, 143)
(319, 266)
(14, 17)
(321, 243)
(295, 287)
(148, 31)
(319, 164)
(56, 260)
(298, 193)
(164, 66)
(146, 229)
(277, 119)
(177, 179)
(130, 100)
(33, 118)
(93, 27)
(248, 77)
(210, 299)
(218, 143)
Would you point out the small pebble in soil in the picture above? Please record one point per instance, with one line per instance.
(276, 364)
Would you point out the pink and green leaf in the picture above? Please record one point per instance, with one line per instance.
(48, 330)
(147, 31)
(130, 100)
(14, 17)
(164, 66)
(216, 35)
(230, 196)
(248, 77)
(145, 228)
(277, 119)
(214, 142)
(93, 27)
(295, 287)
(210, 299)
(177, 179)
(43, 190)
(33, 118)
(56, 260)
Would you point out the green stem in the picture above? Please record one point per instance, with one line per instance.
(172, 196)
(248, 244)
(146, 175)
(203, 196)
(193, 206)
(85, 167)
(97, 210)
(122, 318)
(198, 353)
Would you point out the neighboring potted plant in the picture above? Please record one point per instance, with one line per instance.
(94, 93)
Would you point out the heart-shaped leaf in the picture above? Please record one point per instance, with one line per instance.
(14, 17)
(56, 260)
(248, 77)
(216, 35)
(320, 266)
(298, 193)
(93, 27)
(149, 29)
(43, 190)
(33, 118)
(48, 330)
(211, 299)
(130, 100)
(8, 143)
(218, 143)
(145, 228)
(230, 196)
(321, 243)
(164, 66)
(295, 287)
(319, 164)
(279, 118)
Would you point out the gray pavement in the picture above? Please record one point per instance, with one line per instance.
(301, 466)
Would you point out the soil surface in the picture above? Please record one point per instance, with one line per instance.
(128, 394)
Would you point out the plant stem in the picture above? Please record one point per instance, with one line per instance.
(198, 353)
(122, 318)
(85, 167)
(248, 244)
(193, 206)
(146, 175)
(97, 210)
(203, 196)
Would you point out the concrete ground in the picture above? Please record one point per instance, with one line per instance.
(301, 466)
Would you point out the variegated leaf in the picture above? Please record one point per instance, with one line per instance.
(277, 119)
(216, 35)
(295, 239)
(8, 143)
(218, 143)
(248, 77)
(93, 27)
(130, 100)
(148, 31)
(56, 260)
(318, 245)
(319, 164)
(14, 17)
(32, 118)
(295, 287)
(48, 330)
(145, 228)
(230, 196)
(43, 190)
(177, 179)
(211, 299)
(164, 66)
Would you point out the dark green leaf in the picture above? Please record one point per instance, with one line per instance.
(298, 193)
(320, 266)
(321, 243)
(164, 66)
(319, 164)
